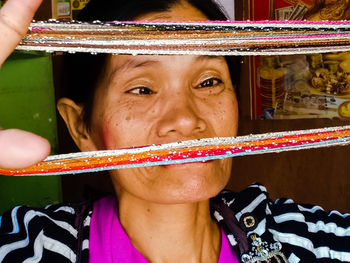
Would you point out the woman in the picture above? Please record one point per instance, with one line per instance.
(165, 213)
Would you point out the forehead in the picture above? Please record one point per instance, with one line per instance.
(182, 11)
(121, 64)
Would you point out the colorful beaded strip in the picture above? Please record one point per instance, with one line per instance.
(200, 150)
(196, 38)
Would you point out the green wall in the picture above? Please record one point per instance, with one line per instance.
(27, 102)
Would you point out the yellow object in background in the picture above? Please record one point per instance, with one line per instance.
(61, 9)
(77, 6)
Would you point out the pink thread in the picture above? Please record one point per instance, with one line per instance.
(38, 28)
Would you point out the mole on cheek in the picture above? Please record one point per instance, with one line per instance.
(128, 118)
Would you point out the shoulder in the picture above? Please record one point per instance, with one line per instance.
(253, 198)
(306, 232)
(24, 217)
(48, 233)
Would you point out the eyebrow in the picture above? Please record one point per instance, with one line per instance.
(131, 64)
(208, 57)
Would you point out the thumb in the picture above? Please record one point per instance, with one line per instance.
(15, 17)
(20, 149)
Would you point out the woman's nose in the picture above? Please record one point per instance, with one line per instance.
(181, 117)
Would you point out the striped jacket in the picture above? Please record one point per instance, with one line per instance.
(258, 229)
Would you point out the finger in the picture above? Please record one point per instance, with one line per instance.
(15, 17)
(20, 149)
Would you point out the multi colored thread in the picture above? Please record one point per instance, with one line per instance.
(200, 150)
(195, 38)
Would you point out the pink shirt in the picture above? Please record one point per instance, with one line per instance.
(109, 243)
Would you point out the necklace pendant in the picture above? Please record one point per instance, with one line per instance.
(262, 252)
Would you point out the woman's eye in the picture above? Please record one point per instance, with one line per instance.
(210, 83)
(141, 91)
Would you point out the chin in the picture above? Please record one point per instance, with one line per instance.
(191, 195)
(193, 182)
(174, 184)
(192, 165)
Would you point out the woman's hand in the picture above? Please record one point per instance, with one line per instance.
(18, 148)
(15, 17)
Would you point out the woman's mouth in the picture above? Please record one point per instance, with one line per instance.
(189, 163)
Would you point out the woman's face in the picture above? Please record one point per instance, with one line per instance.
(145, 100)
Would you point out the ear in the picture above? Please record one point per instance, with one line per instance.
(72, 116)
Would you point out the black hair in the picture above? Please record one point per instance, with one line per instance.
(126, 10)
(83, 71)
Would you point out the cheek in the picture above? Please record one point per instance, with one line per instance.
(113, 131)
(224, 116)
(105, 128)
(108, 136)
(122, 129)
